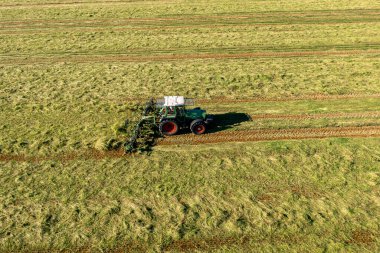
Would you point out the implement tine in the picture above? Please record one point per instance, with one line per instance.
(149, 107)
(131, 145)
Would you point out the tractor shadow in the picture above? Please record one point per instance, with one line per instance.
(228, 120)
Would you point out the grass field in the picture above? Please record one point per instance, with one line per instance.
(293, 164)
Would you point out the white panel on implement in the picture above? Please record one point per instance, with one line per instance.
(174, 100)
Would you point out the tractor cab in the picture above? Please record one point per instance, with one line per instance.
(172, 111)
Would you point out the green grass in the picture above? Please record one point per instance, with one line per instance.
(275, 196)
(322, 192)
(272, 77)
(177, 8)
(193, 40)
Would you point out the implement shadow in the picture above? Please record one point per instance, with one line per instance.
(228, 120)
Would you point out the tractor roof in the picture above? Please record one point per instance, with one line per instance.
(174, 101)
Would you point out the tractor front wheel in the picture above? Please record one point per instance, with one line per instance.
(198, 126)
(168, 127)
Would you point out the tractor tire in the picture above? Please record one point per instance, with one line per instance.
(168, 127)
(198, 126)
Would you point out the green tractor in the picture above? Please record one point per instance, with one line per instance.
(173, 116)
(169, 116)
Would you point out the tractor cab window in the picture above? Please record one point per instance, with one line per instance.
(171, 110)
(168, 110)
(180, 111)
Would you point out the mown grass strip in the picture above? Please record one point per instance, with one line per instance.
(194, 22)
(20, 30)
(248, 51)
(60, 4)
(64, 157)
(128, 58)
(218, 137)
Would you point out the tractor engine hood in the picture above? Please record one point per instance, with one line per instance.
(196, 113)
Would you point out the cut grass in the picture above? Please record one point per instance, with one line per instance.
(204, 78)
(176, 8)
(263, 193)
(59, 194)
(221, 40)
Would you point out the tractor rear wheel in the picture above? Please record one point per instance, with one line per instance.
(198, 126)
(168, 127)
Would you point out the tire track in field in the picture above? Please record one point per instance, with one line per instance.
(174, 57)
(218, 137)
(270, 135)
(317, 116)
(225, 100)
